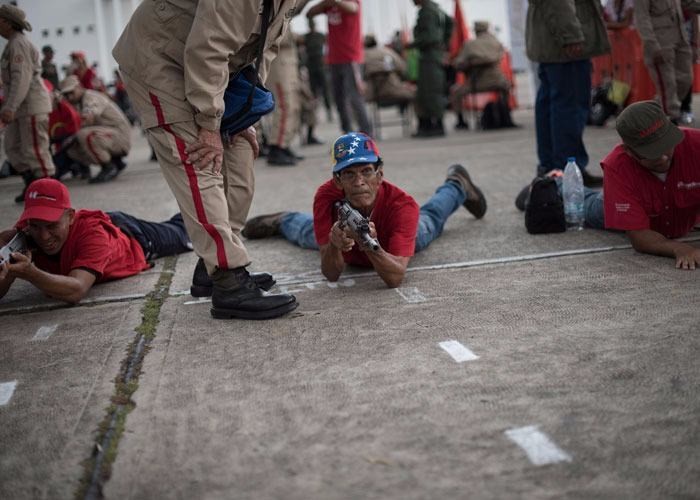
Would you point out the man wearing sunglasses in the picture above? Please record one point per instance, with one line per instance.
(395, 220)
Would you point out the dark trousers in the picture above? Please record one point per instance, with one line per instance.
(561, 111)
(158, 239)
(347, 95)
(319, 86)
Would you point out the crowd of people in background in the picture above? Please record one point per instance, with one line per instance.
(62, 124)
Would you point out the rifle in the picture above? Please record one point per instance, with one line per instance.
(16, 244)
(353, 219)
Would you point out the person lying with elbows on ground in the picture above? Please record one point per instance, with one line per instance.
(69, 251)
(400, 227)
(651, 187)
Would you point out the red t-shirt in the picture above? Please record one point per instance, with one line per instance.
(94, 243)
(64, 121)
(395, 216)
(636, 199)
(344, 36)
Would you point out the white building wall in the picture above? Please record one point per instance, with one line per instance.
(92, 26)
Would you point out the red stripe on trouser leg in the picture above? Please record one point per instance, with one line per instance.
(662, 88)
(91, 148)
(37, 153)
(194, 187)
(283, 115)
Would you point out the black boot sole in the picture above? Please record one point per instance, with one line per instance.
(276, 312)
(206, 291)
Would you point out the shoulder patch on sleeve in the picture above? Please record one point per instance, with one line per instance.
(18, 59)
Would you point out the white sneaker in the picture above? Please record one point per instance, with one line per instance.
(687, 118)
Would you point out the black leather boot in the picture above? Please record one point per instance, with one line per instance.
(235, 295)
(202, 285)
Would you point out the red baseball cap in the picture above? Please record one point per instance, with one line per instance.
(45, 199)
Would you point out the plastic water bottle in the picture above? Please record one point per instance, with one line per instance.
(572, 192)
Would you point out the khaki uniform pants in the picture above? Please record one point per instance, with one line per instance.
(214, 207)
(27, 145)
(283, 82)
(673, 78)
(98, 145)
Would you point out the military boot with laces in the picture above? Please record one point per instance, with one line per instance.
(203, 286)
(236, 295)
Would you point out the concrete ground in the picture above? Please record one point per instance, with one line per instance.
(579, 349)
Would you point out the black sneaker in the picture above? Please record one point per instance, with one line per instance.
(280, 158)
(235, 295)
(476, 201)
(263, 226)
(108, 172)
(202, 284)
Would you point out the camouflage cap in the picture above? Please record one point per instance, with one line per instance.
(646, 130)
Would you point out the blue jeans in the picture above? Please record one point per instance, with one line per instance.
(298, 227)
(561, 112)
(593, 209)
(158, 239)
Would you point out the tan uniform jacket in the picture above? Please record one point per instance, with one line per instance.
(105, 111)
(25, 93)
(207, 40)
(481, 58)
(384, 69)
(660, 22)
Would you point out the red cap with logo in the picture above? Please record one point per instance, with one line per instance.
(45, 199)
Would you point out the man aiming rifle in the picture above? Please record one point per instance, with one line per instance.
(370, 210)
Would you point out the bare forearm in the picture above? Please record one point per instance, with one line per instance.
(66, 288)
(390, 268)
(654, 243)
(332, 263)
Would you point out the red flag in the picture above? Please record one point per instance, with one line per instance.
(460, 31)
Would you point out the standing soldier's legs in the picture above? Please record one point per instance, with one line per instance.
(357, 102)
(201, 197)
(664, 77)
(27, 149)
(239, 182)
(684, 71)
(34, 140)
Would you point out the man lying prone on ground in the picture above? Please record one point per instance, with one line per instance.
(651, 186)
(73, 250)
(395, 220)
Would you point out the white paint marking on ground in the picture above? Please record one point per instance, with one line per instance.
(44, 332)
(347, 283)
(201, 300)
(7, 389)
(458, 352)
(539, 448)
(411, 295)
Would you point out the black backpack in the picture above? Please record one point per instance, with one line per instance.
(544, 211)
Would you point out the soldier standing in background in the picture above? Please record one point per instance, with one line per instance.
(283, 82)
(314, 43)
(25, 110)
(177, 87)
(432, 30)
(667, 53)
(48, 68)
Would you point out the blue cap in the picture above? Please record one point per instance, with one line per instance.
(353, 148)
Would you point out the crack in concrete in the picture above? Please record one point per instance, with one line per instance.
(98, 466)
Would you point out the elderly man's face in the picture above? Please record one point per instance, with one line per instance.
(50, 236)
(6, 28)
(360, 184)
